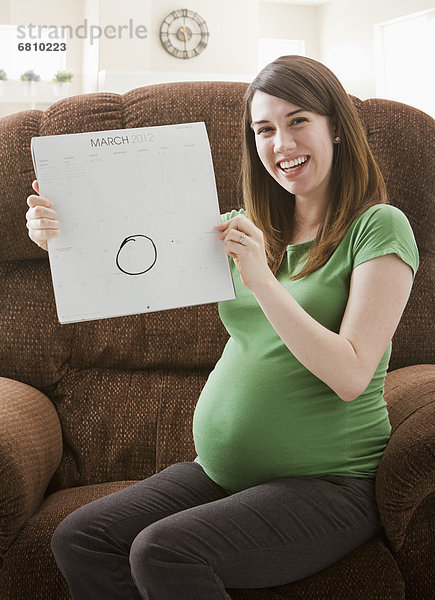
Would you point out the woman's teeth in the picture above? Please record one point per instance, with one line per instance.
(292, 165)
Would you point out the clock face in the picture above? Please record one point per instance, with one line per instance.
(184, 33)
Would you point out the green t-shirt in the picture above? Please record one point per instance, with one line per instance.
(261, 414)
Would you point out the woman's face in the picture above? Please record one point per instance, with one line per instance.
(294, 145)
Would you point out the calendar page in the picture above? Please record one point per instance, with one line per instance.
(137, 210)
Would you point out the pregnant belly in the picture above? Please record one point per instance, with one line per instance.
(232, 444)
(252, 427)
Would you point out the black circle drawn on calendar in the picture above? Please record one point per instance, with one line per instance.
(143, 254)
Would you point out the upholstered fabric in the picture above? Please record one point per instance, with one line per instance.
(31, 441)
(406, 474)
(122, 391)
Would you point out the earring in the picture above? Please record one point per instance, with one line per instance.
(337, 139)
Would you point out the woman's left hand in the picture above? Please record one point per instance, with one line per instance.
(244, 242)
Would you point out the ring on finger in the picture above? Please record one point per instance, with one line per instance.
(242, 237)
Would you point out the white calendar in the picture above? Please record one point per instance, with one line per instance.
(137, 210)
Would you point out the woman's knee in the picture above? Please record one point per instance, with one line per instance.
(145, 549)
(70, 535)
(152, 557)
(161, 544)
(154, 549)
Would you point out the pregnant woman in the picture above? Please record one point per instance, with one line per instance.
(291, 424)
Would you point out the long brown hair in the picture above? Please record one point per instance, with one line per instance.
(356, 182)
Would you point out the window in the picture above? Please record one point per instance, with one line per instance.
(271, 48)
(16, 62)
(405, 50)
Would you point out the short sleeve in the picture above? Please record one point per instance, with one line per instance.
(384, 229)
(233, 213)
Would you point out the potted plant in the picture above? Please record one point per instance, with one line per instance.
(3, 77)
(61, 82)
(29, 80)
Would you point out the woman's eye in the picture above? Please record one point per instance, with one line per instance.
(298, 121)
(264, 130)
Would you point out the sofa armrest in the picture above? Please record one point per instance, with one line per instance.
(30, 451)
(406, 472)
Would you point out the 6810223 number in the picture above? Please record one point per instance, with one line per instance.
(42, 46)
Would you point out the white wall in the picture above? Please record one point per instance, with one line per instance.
(4, 10)
(91, 53)
(346, 38)
(293, 22)
(126, 53)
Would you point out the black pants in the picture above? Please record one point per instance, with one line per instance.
(179, 536)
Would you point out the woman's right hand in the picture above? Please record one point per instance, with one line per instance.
(42, 220)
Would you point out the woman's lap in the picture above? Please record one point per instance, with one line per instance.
(274, 533)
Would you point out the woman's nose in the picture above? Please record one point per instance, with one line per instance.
(284, 142)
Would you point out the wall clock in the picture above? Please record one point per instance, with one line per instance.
(184, 33)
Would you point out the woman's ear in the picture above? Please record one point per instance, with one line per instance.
(333, 128)
(335, 131)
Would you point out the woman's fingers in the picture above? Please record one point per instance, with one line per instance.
(238, 223)
(42, 224)
(40, 236)
(34, 200)
(240, 230)
(237, 236)
(41, 218)
(40, 212)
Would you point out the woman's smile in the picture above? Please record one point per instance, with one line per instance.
(294, 166)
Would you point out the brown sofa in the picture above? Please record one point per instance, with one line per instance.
(89, 408)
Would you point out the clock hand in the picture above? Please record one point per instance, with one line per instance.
(183, 29)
